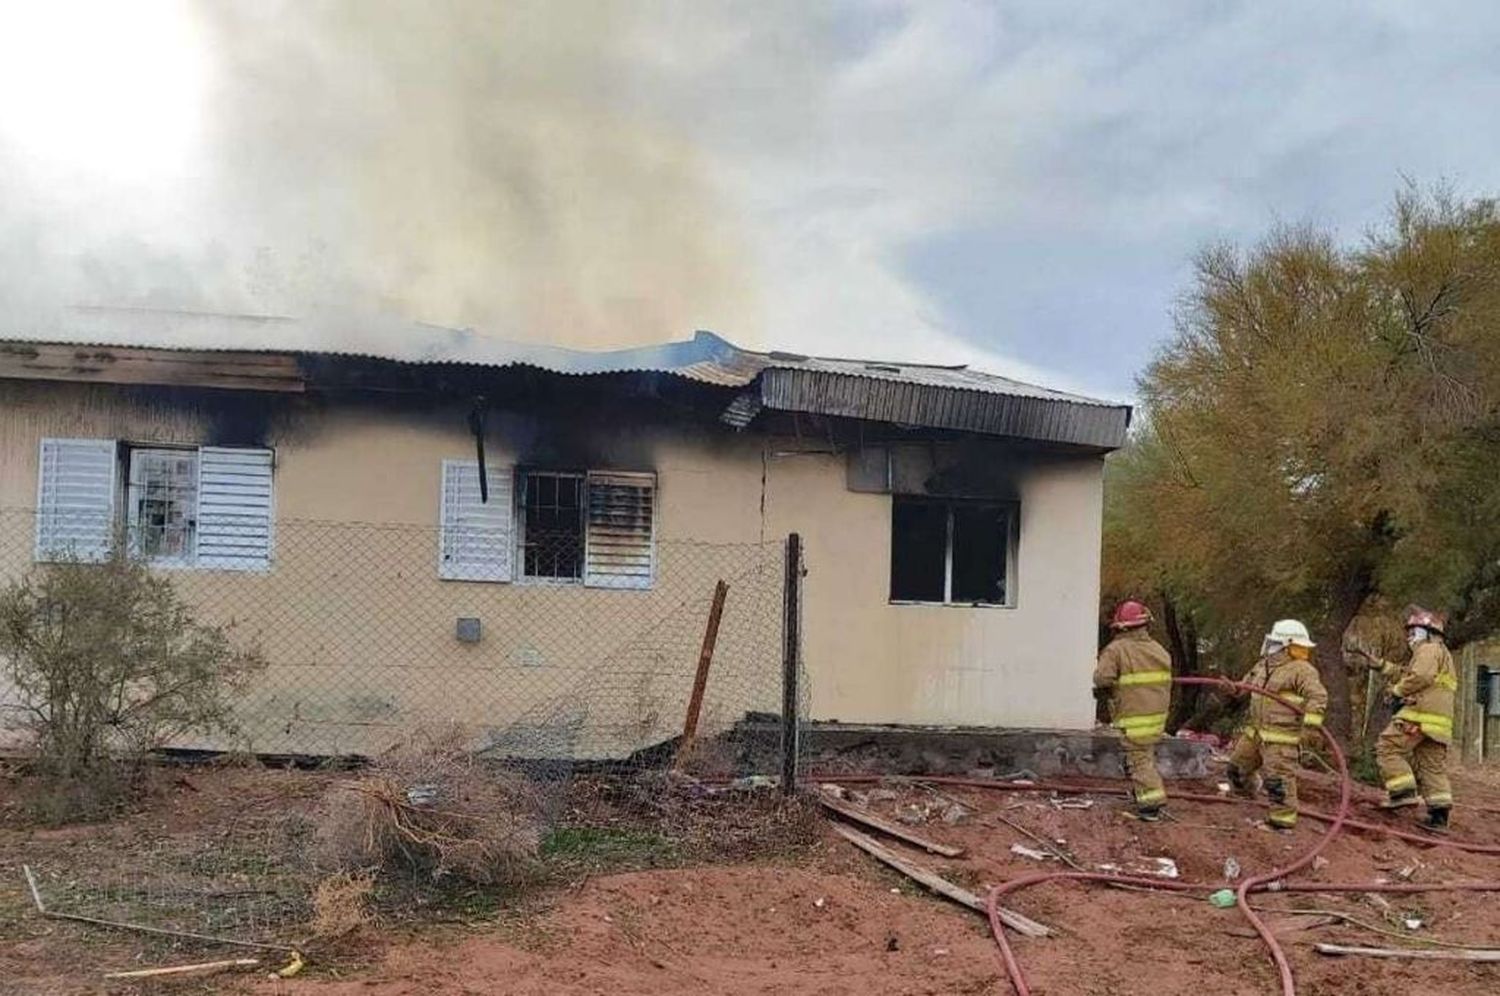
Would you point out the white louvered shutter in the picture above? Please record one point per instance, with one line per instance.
(75, 517)
(621, 541)
(475, 541)
(234, 509)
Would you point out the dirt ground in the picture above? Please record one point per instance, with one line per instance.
(824, 918)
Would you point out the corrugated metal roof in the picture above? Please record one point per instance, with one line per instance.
(955, 398)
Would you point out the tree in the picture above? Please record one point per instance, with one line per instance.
(109, 662)
(1320, 432)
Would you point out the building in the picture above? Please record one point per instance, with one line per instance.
(318, 484)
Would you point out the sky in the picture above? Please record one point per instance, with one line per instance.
(1021, 186)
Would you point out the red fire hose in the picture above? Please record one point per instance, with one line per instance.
(1283, 967)
(1268, 881)
(1252, 884)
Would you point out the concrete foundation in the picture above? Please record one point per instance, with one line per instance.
(984, 752)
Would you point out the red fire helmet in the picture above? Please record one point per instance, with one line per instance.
(1426, 619)
(1130, 614)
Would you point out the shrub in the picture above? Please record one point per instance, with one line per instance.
(341, 903)
(108, 662)
(430, 807)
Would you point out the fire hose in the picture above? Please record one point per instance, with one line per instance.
(1254, 883)
(1272, 880)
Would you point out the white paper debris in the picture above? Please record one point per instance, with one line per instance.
(1029, 852)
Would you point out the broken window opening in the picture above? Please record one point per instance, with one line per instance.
(951, 552)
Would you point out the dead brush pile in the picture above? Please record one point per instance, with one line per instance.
(428, 807)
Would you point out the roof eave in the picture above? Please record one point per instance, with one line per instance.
(1096, 426)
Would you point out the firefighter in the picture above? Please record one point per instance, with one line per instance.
(1273, 733)
(1134, 677)
(1412, 751)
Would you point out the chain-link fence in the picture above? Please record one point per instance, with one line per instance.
(364, 642)
(365, 647)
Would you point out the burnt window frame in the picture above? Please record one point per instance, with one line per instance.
(522, 489)
(1012, 534)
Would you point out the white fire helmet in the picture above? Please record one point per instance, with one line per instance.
(1286, 631)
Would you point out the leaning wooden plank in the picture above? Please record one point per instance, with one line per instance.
(885, 826)
(1463, 954)
(1015, 921)
(204, 967)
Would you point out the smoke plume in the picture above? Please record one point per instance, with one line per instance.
(467, 163)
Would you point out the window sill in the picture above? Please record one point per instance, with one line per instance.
(951, 605)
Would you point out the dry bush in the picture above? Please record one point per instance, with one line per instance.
(107, 662)
(429, 807)
(341, 903)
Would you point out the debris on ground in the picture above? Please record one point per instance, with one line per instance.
(1031, 852)
(198, 969)
(1071, 803)
(472, 820)
(341, 903)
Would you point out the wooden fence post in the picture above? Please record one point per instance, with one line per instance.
(700, 679)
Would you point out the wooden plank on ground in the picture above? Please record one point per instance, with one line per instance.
(885, 826)
(1462, 954)
(931, 880)
(201, 968)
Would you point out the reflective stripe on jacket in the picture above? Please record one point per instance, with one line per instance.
(1293, 680)
(1138, 672)
(1427, 687)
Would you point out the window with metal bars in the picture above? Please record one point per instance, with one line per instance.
(161, 503)
(552, 526)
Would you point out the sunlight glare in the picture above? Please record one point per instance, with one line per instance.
(109, 88)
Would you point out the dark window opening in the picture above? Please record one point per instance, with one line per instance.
(980, 542)
(919, 540)
(552, 527)
(954, 553)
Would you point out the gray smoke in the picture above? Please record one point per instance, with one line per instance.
(466, 163)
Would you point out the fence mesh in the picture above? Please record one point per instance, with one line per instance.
(366, 646)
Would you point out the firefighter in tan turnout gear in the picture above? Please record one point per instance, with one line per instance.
(1412, 751)
(1273, 732)
(1134, 675)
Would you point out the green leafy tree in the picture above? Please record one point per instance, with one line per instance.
(109, 662)
(1321, 435)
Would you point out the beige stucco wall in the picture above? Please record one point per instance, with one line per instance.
(361, 628)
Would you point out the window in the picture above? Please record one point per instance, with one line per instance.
(205, 507)
(475, 540)
(552, 526)
(596, 528)
(161, 504)
(952, 552)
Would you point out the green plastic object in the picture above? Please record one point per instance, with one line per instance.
(1223, 899)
